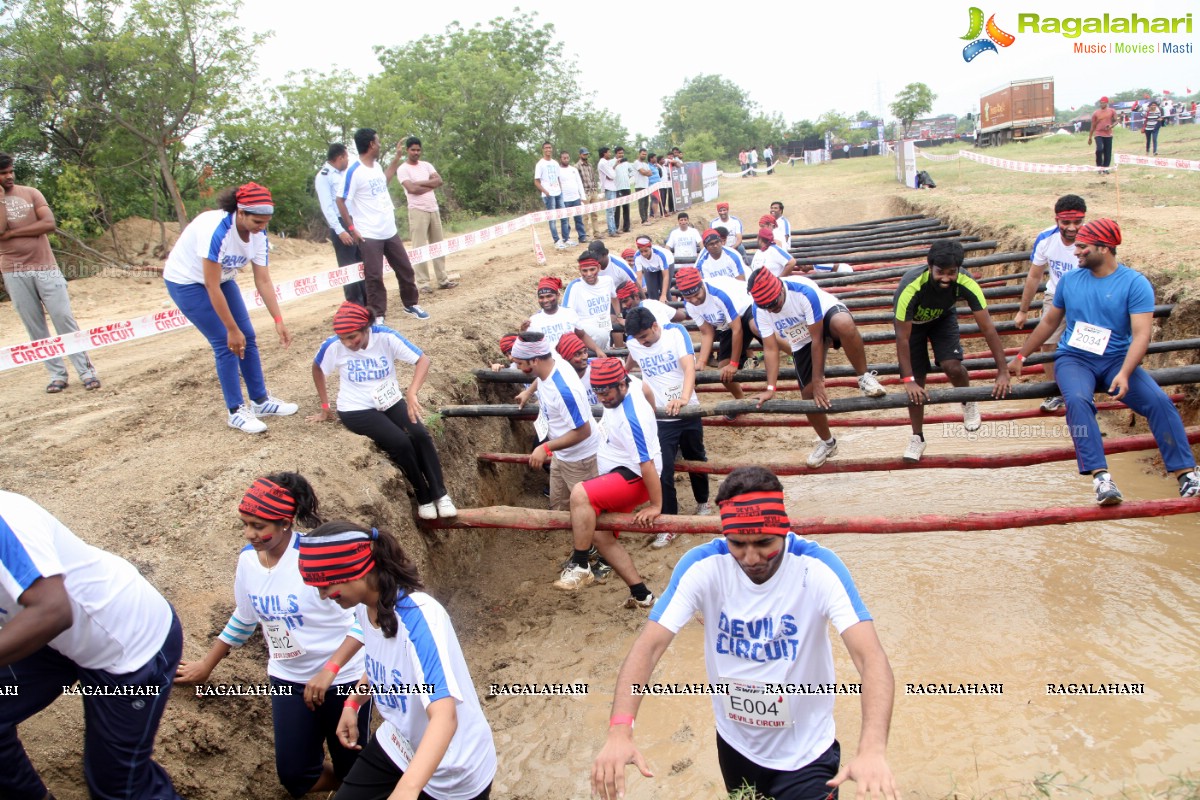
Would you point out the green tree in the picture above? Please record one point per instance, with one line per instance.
(712, 104)
(701, 146)
(913, 101)
(158, 71)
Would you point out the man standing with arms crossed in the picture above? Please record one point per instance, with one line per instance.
(767, 597)
(1053, 250)
(419, 180)
(607, 167)
(365, 201)
(546, 179)
(331, 177)
(591, 192)
(31, 274)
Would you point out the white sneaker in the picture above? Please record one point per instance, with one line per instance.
(632, 602)
(427, 511)
(560, 245)
(703, 510)
(571, 243)
(244, 420)
(870, 385)
(663, 539)
(574, 577)
(915, 449)
(273, 407)
(821, 453)
(445, 507)
(972, 419)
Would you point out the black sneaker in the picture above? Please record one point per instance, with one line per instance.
(601, 571)
(1107, 493)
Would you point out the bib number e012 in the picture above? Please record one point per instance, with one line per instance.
(280, 641)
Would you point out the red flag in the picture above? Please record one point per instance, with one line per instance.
(1072, 108)
(1166, 91)
(1189, 90)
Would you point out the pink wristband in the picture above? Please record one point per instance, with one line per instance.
(908, 379)
(332, 667)
(620, 719)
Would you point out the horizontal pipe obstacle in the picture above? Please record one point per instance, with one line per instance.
(894, 255)
(837, 279)
(724, 466)
(533, 519)
(801, 421)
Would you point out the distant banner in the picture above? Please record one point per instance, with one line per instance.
(695, 182)
(711, 178)
(683, 199)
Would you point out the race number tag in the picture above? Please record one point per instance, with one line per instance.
(280, 641)
(386, 394)
(748, 704)
(685, 249)
(1091, 338)
(403, 745)
(798, 335)
(542, 425)
(674, 392)
(604, 323)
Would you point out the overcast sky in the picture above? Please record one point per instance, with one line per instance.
(845, 56)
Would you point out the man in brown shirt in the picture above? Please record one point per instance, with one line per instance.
(1103, 119)
(591, 191)
(31, 274)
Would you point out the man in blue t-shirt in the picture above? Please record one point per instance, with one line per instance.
(1109, 309)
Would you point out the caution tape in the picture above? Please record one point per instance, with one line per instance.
(1155, 161)
(20, 355)
(1025, 166)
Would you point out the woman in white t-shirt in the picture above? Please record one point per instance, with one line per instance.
(371, 403)
(310, 642)
(201, 276)
(434, 741)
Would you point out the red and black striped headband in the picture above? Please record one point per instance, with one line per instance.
(569, 345)
(255, 199)
(266, 499)
(350, 317)
(688, 280)
(628, 289)
(338, 558)
(1103, 232)
(506, 343)
(755, 513)
(550, 283)
(766, 288)
(607, 372)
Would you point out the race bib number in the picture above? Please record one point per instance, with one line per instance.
(603, 323)
(685, 249)
(403, 745)
(798, 335)
(748, 704)
(386, 394)
(228, 274)
(280, 641)
(1091, 338)
(541, 425)
(673, 392)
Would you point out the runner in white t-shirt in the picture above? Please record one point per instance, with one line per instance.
(771, 256)
(767, 598)
(795, 313)
(629, 462)
(434, 740)
(668, 363)
(547, 180)
(592, 297)
(783, 228)
(371, 403)
(733, 228)
(71, 612)
(725, 314)
(1053, 257)
(656, 265)
(718, 260)
(684, 242)
(629, 299)
(311, 644)
(555, 320)
(200, 277)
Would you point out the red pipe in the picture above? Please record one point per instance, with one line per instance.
(852, 383)
(531, 519)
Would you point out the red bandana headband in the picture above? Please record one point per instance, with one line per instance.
(628, 289)
(607, 372)
(1104, 232)
(756, 513)
(266, 499)
(766, 289)
(350, 317)
(339, 558)
(711, 234)
(506, 343)
(1067, 216)
(688, 280)
(550, 283)
(254, 199)
(569, 345)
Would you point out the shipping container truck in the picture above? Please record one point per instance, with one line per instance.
(1016, 110)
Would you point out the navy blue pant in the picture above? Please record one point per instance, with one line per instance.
(687, 438)
(806, 783)
(347, 254)
(375, 776)
(408, 444)
(194, 302)
(119, 732)
(301, 736)
(1079, 376)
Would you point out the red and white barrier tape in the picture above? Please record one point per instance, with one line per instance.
(1025, 166)
(1155, 161)
(19, 355)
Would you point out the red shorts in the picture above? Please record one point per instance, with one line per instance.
(616, 491)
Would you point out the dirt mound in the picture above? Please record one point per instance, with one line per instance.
(138, 241)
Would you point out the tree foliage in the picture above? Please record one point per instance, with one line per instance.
(912, 101)
(120, 87)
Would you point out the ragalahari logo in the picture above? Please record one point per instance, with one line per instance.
(995, 36)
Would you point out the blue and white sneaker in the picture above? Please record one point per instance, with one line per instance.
(1189, 484)
(416, 311)
(273, 407)
(1107, 493)
(244, 420)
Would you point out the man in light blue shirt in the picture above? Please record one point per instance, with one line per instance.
(329, 181)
